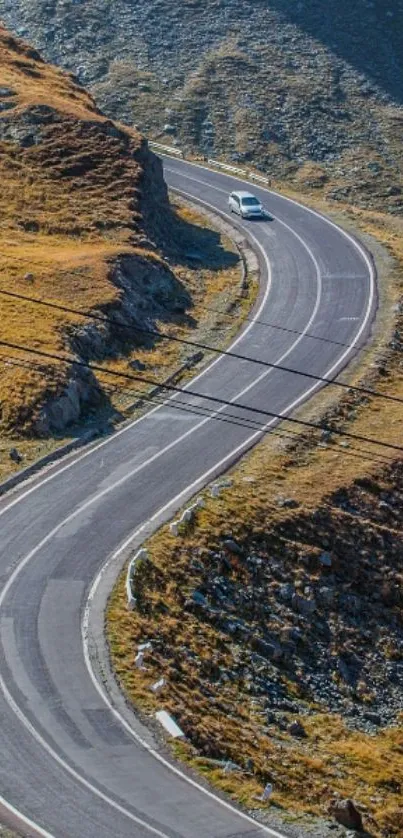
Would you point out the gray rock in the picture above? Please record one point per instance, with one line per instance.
(346, 813)
(345, 671)
(288, 503)
(327, 596)
(286, 591)
(305, 607)
(199, 598)
(374, 718)
(350, 603)
(297, 729)
(232, 546)
(325, 559)
(15, 455)
(138, 365)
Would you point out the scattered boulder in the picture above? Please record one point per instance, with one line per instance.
(374, 718)
(286, 592)
(327, 596)
(199, 599)
(137, 365)
(232, 546)
(288, 503)
(305, 607)
(15, 455)
(297, 729)
(346, 813)
(325, 560)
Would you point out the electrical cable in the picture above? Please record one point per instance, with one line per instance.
(248, 319)
(199, 410)
(201, 346)
(195, 394)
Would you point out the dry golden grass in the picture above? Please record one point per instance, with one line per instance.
(69, 207)
(73, 204)
(36, 82)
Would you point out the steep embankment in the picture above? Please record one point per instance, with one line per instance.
(86, 224)
(79, 198)
(307, 91)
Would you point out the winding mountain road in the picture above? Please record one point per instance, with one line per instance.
(68, 763)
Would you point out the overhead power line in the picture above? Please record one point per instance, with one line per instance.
(248, 319)
(212, 399)
(196, 345)
(199, 410)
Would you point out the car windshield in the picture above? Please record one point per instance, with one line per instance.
(250, 202)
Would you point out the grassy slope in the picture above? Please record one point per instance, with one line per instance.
(80, 196)
(229, 718)
(53, 220)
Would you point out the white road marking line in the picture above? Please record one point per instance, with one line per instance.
(160, 513)
(99, 495)
(65, 765)
(84, 506)
(33, 827)
(356, 244)
(149, 413)
(105, 491)
(190, 488)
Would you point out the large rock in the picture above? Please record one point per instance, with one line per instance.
(305, 607)
(81, 392)
(346, 813)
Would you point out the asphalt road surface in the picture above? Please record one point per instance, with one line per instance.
(66, 761)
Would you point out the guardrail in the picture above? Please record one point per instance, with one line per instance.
(243, 172)
(227, 167)
(259, 178)
(177, 152)
(168, 148)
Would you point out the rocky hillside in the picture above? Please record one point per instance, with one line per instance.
(84, 211)
(275, 618)
(308, 91)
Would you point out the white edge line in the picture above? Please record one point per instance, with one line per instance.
(189, 489)
(47, 538)
(358, 246)
(193, 487)
(32, 553)
(85, 623)
(23, 818)
(149, 413)
(65, 765)
(99, 495)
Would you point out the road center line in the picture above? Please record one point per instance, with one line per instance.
(190, 488)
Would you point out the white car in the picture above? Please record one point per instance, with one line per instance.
(246, 205)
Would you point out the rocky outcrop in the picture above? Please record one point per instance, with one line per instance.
(346, 813)
(81, 393)
(148, 291)
(86, 207)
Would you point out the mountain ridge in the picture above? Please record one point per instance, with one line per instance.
(307, 95)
